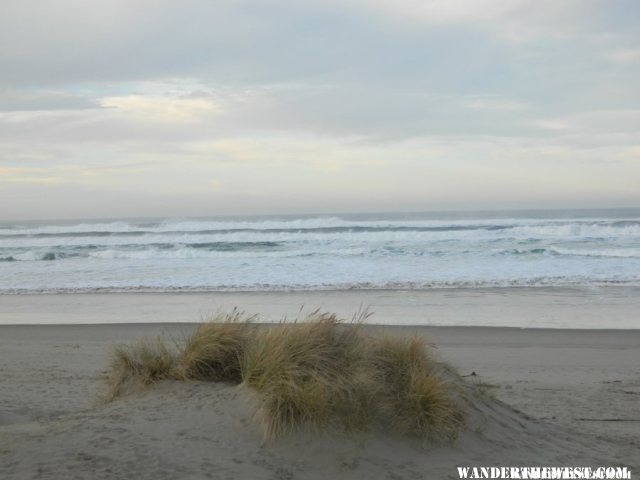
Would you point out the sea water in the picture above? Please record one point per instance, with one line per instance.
(323, 252)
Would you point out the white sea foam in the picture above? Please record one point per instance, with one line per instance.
(570, 226)
(321, 253)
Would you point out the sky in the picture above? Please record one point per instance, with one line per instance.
(178, 108)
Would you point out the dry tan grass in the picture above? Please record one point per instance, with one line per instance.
(416, 398)
(215, 351)
(303, 373)
(307, 374)
(143, 363)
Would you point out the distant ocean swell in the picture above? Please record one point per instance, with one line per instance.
(321, 253)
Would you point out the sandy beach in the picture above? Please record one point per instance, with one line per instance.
(523, 307)
(537, 397)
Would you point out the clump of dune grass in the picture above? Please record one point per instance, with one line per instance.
(144, 363)
(417, 400)
(215, 351)
(308, 374)
(303, 373)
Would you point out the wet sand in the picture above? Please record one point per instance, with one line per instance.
(571, 308)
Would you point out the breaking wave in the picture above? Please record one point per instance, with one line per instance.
(351, 252)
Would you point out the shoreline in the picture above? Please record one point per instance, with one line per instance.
(315, 290)
(602, 308)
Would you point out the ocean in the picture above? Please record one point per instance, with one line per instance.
(323, 252)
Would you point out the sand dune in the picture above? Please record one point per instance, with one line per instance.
(52, 427)
(205, 431)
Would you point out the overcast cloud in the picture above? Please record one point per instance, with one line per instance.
(151, 108)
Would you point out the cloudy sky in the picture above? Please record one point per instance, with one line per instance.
(164, 108)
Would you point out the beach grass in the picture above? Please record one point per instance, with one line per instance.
(418, 398)
(216, 350)
(308, 374)
(304, 373)
(144, 362)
